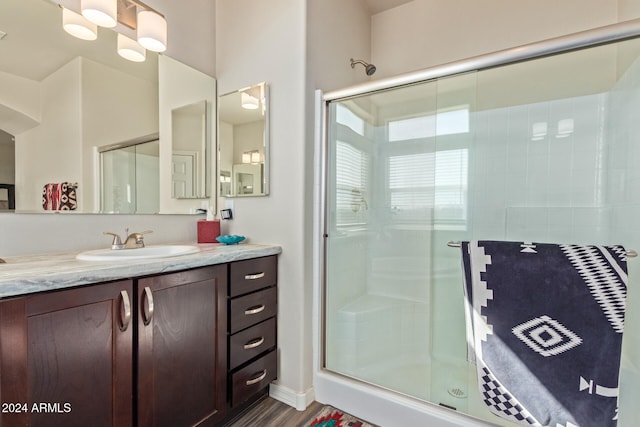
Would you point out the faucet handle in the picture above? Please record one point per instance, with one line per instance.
(140, 235)
(136, 240)
(117, 242)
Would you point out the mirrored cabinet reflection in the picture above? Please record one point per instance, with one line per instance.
(243, 136)
(129, 181)
(189, 154)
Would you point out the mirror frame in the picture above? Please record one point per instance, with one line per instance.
(266, 143)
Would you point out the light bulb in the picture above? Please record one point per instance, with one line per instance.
(130, 49)
(101, 12)
(78, 26)
(152, 31)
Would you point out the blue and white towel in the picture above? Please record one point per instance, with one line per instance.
(545, 324)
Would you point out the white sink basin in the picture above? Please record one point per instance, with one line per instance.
(160, 251)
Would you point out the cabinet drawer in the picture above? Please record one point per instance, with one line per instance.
(253, 378)
(251, 275)
(251, 342)
(253, 308)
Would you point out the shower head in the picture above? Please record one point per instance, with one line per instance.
(368, 68)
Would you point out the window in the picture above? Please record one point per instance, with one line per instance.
(448, 122)
(429, 185)
(352, 170)
(348, 118)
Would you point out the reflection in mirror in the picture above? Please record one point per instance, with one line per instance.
(243, 138)
(130, 178)
(62, 99)
(190, 151)
(7, 172)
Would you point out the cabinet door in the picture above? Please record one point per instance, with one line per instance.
(182, 348)
(66, 357)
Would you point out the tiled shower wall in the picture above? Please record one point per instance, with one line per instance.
(583, 188)
(547, 190)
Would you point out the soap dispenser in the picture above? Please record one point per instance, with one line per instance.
(208, 229)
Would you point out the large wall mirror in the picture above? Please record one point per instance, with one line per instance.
(64, 101)
(243, 138)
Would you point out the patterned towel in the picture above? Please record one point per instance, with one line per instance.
(59, 197)
(546, 323)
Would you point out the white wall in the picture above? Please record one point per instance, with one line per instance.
(34, 234)
(19, 103)
(191, 32)
(337, 30)
(40, 159)
(273, 50)
(628, 9)
(424, 33)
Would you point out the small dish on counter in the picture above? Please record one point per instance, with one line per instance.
(230, 239)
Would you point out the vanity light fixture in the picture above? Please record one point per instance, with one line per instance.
(255, 156)
(251, 157)
(78, 26)
(130, 49)
(249, 102)
(103, 13)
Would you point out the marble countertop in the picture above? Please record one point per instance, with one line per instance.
(29, 274)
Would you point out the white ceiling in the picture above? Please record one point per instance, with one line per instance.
(377, 6)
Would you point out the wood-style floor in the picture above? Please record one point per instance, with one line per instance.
(273, 413)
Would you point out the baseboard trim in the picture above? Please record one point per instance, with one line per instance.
(300, 401)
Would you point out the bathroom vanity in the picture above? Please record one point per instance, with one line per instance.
(180, 341)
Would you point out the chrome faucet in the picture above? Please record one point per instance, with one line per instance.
(133, 240)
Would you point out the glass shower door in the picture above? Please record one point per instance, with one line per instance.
(397, 182)
(130, 179)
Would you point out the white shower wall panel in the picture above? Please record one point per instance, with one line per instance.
(528, 187)
(623, 195)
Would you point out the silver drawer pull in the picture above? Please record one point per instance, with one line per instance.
(254, 276)
(254, 310)
(254, 343)
(257, 379)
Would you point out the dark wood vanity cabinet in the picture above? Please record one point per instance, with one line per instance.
(65, 357)
(182, 348)
(252, 327)
(188, 348)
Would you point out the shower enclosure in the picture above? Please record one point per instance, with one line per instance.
(538, 150)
